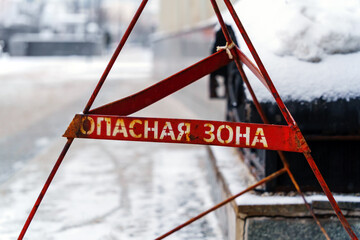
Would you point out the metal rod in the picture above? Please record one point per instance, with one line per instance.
(221, 21)
(237, 61)
(86, 109)
(331, 198)
(297, 187)
(45, 187)
(256, 102)
(115, 55)
(264, 180)
(280, 153)
(161, 89)
(289, 119)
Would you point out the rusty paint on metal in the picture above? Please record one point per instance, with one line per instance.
(174, 83)
(187, 131)
(244, 59)
(302, 144)
(74, 126)
(297, 187)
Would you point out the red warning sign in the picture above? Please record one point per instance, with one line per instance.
(230, 134)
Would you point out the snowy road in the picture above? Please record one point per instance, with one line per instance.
(104, 189)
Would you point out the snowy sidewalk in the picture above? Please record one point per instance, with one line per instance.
(111, 190)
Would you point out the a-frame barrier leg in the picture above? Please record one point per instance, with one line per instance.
(262, 181)
(289, 119)
(86, 110)
(266, 121)
(281, 154)
(214, 61)
(306, 151)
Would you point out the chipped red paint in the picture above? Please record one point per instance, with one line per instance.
(187, 131)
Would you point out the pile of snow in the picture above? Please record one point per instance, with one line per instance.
(310, 48)
(303, 28)
(322, 27)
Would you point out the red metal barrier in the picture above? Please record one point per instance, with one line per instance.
(110, 121)
(228, 134)
(165, 87)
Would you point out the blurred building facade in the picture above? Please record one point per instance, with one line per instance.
(177, 15)
(68, 27)
(186, 31)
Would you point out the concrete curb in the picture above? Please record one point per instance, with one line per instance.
(271, 216)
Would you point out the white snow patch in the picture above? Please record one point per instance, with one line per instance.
(310, 49)
(333, 78)
(302, 28)
(236, 174)
(112, 190)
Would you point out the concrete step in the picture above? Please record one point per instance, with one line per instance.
(259, 215)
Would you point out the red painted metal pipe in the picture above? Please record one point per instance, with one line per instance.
(161, 89)
(86, 109)
(331, 198)
(44, 189)
(115, 55)
(262, 181)
(289, 119)
(221, 21)
(244, 59)
(280, 153)
(152, 94)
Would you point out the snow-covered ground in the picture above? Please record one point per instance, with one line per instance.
(310, 48)
(111, 190)
(104, 189)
